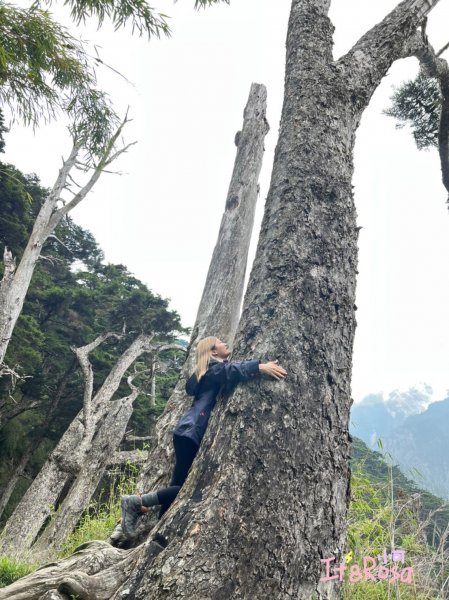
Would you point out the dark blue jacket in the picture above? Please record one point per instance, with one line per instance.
(194, 422)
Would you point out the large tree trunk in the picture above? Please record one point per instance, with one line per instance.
(267, 496)
(219, 309)
(269, 491)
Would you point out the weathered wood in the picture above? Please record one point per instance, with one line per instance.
(107, 438)
(220, 304)
(96, 566)
(75, 467)
(9, 263)
(15, 282)
(18, 472)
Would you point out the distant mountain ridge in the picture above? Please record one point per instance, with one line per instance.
(414, 431)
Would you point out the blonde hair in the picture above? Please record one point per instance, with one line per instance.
(202, 355)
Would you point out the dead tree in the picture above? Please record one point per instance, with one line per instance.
(75, 467)
(219, 308)
(267, 496)
(15, 282)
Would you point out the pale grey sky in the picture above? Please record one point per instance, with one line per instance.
(187, 96)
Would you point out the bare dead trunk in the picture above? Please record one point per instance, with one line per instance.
(70, 462)
(107, 439)
(220, 304)
(15, 282)
(6, 284)
(13, 479)
(33, 510)
(153, 385)
(20, 469)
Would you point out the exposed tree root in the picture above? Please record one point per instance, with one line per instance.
(94, 572)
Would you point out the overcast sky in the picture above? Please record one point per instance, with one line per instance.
(186, 96)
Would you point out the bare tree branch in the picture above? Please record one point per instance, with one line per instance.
(105, 160)
(445, 47)
(141, 344)
(51, 259)
(82, 354)
(54, 237)
(119, 152)
(138, 438)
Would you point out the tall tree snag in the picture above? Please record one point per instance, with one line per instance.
(220, 304)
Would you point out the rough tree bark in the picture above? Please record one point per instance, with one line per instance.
(15, 282)
(75, 467)
(268, 493)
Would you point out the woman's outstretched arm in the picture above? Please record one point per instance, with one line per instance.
(234, 372)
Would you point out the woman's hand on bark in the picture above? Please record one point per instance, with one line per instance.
(273, 368)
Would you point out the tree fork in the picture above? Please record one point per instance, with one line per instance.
(268, 494)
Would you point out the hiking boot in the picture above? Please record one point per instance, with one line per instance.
(131, 511)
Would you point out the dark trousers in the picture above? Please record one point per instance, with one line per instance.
(185, 452)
